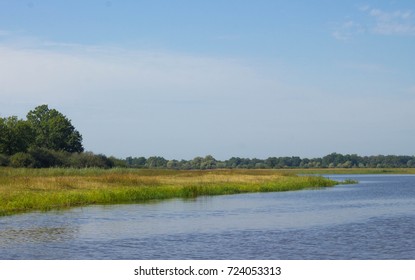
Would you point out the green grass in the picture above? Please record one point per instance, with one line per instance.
(23, 190)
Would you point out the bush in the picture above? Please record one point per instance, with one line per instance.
(22, 160)
(46, 158)
(88, 159)
(115, 162)
(4, 160)
(62, 159)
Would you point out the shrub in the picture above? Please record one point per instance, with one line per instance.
(45, 158)
(4, 160)
(88, 159)
(22, 160)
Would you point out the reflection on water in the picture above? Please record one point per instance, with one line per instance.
(371, 220)
(33, 235)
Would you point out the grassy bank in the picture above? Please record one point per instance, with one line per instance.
(23, 190)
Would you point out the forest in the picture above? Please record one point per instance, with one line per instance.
(333, 160)
(47, 138)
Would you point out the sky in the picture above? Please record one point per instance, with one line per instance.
(188, 78)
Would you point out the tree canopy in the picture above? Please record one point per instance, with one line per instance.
(15, 135)
(46, 138)
(333, 160)
(44, 128)
(54, 131)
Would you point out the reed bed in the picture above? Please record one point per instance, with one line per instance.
(23, 190)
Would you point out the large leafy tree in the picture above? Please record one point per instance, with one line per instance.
(53, 130)
(15, 135)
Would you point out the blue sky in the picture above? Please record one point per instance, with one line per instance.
(181, 79)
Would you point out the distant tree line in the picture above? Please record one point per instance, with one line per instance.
(333, 160)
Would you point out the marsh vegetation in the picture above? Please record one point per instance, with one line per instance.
(23, 189)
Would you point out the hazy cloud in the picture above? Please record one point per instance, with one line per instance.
(70, 72)
(347, 30)
(393, 23)
(377, 22)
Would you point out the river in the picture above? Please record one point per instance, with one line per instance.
(374, 219)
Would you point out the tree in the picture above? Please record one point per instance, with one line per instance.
(156, 162)
(15, 135)
(208, 162)
(196, 163)
(173, 164)
(53, 130)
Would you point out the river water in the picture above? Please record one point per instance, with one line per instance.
(374, 219)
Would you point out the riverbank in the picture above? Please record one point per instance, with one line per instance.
(23, 190)
(322, 171)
